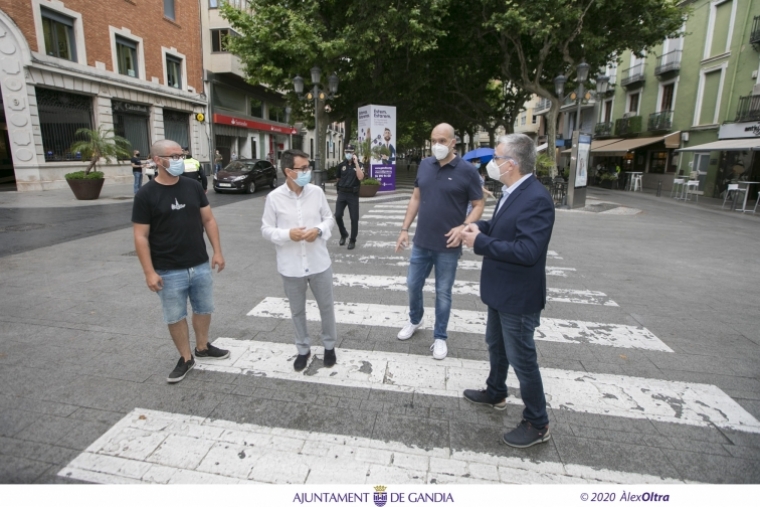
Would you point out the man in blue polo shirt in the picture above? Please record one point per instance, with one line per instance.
(444, 186)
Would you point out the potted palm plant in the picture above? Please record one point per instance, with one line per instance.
(96, 144)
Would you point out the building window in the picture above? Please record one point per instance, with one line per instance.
(59, 35)
(708, 111)
(666, 103)
(131, 122)
(607, 112)
(175, 127)
(126, 56)
(173, 71)
(534, 120)
(633, 104)
(277, 113)
(522, 120)
(61, 115)
(719, 38)
(169, 9)
(257, 108)
(213, 4)
(219, 38)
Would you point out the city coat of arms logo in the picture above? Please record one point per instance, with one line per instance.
(380, 497)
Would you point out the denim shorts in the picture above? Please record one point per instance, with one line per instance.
(179, 284)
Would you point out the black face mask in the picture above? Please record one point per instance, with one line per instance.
(137, 154)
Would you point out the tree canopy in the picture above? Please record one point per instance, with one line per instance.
(470, 63)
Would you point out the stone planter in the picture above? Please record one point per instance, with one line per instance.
(86, 190)
(368, 190)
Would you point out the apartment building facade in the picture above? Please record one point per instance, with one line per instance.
(131, 66)
(690, 104)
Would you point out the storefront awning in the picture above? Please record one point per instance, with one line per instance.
(625, 145)
(596, 144)
(727, 145)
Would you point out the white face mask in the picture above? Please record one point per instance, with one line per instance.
(494, 171)
(440, 151)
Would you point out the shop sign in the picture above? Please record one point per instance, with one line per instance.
(739, 130)
(253, 125)
(128, 107)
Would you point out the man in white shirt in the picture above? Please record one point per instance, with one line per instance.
(298, 220)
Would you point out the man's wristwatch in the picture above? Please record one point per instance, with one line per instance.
(319, 234)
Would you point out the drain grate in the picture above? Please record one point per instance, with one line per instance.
(21, 227)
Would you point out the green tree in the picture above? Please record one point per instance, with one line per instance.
(100, 143)
(540, 39)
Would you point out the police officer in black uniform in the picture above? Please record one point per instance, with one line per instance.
(350, 174)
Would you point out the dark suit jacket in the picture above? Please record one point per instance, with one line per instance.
(514, 245)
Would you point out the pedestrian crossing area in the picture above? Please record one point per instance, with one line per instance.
(150, 446)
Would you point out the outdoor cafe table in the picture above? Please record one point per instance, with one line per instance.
(746, 193)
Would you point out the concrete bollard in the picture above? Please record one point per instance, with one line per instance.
(659, 188)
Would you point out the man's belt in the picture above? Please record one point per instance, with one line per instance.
(352, 190)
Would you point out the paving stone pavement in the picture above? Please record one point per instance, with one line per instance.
(84, 356)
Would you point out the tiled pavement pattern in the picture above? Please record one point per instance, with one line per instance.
(83, 353)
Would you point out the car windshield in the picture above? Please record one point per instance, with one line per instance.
(239, 167)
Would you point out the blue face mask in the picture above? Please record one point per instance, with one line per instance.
(349, 156)
(303, 179)
(176, 167)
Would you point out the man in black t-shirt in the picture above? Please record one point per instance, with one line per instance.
(169, 215)
(350, 174)
(137, 169)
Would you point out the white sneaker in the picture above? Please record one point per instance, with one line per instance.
(439, 349)
(408, 330)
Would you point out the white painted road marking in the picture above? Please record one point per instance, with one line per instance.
(403, 260)
(398, 283)
(153, 447)
(468, 321)
(668, 401)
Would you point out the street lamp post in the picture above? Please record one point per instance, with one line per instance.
(581, 77)
(317, 94)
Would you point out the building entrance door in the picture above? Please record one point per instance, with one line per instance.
(7, 174)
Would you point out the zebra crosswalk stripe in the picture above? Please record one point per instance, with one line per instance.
(668, 401)
(157, 447)
(468, 321)
(398, 283)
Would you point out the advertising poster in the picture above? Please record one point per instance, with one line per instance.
(378, 123)
(584, 151)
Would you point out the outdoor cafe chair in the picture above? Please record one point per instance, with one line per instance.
(733, 189)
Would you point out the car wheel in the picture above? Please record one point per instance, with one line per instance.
(273, 183)
(217, 191)
(250, 187)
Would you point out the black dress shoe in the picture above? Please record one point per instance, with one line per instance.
(300, 362)
(351, 245)
(329, 358)
(342, 240)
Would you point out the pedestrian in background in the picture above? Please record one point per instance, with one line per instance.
(218, 161)
(137, 170)
(170, 215)
(350, 174)
(193, 170)
(444, 185)
(514, 245)
(298, 220)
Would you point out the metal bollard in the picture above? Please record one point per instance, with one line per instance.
(659, 188)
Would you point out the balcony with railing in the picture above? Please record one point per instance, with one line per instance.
(754, 36)
(749, 108)
(634, 75)
(628, 126)
(604, 129)
(662, 120)
(543, 106)
(668, 63)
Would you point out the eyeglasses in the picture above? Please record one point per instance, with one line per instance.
(301, 169)
(173, 157)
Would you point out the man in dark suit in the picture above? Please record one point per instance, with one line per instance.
(388, 159)
(513, 284)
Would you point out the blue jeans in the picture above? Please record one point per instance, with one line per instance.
(195, 283)
(510, 342)
(138, 181)
(420, 266)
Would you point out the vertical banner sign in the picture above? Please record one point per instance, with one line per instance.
(378, 123)
(584, 150)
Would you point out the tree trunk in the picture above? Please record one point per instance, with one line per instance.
(93, 162)
(551, 132)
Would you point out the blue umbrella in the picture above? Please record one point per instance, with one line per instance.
(484, 154)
